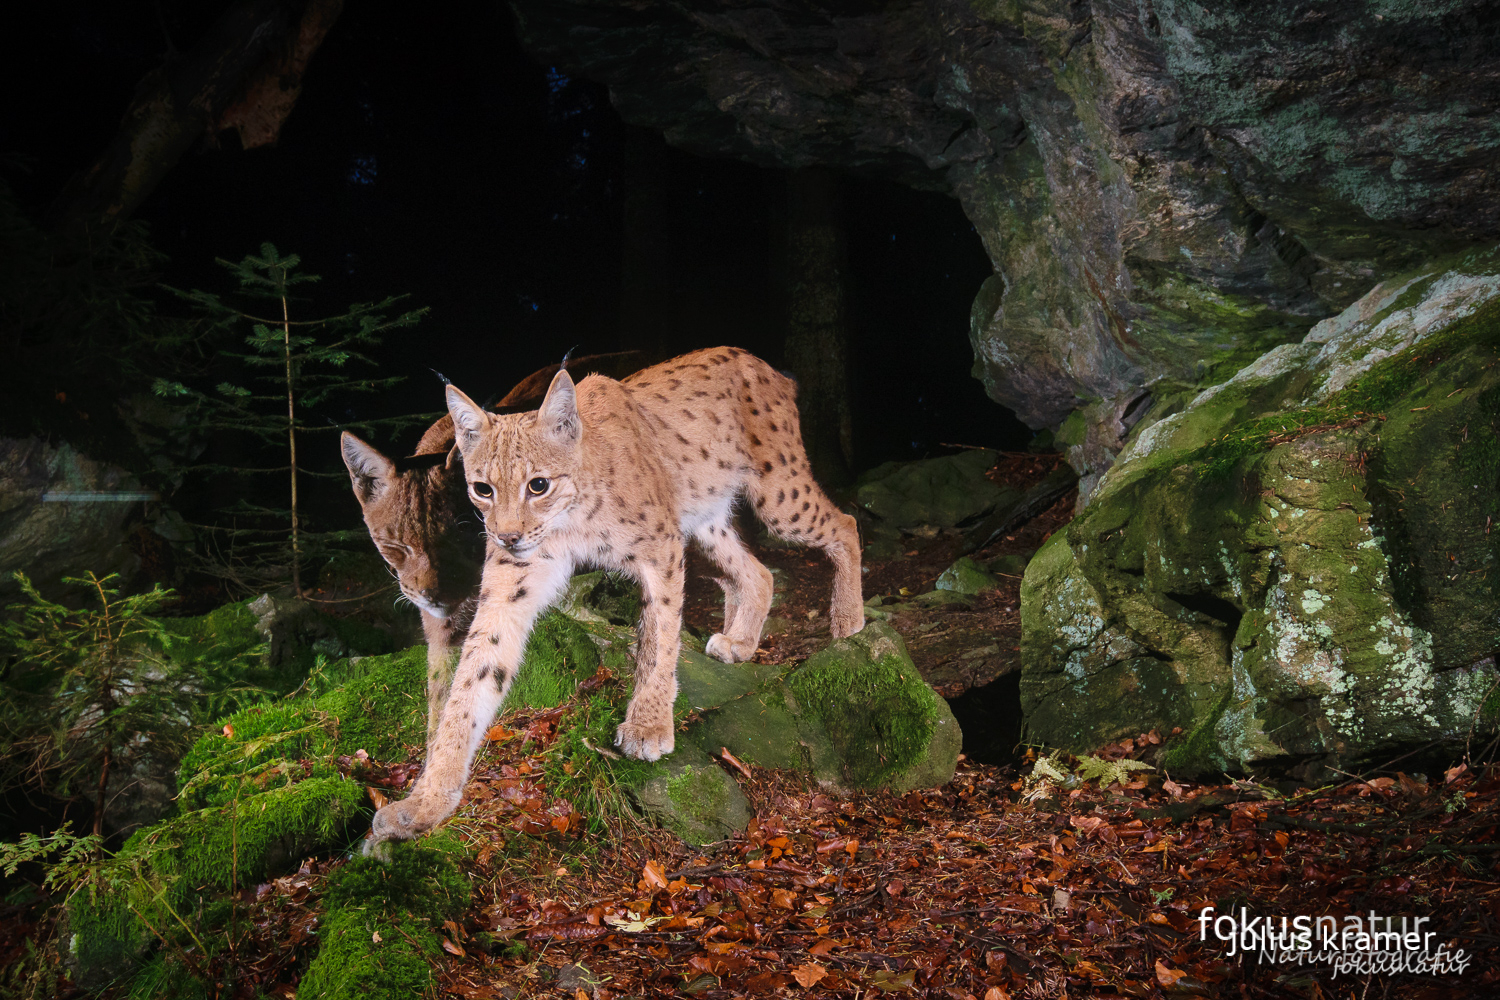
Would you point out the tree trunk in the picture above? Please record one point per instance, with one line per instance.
(817, 338)
(647, 302)
(245, 73)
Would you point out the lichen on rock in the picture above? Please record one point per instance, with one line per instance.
(1295, 563)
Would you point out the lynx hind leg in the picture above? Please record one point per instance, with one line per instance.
(647, 732)
(795, 508)
(747, 591)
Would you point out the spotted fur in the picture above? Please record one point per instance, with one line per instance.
(619, 475)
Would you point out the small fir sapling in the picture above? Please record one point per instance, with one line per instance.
(291, 368)
(93, 692)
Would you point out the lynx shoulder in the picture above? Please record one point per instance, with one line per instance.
(621, 475)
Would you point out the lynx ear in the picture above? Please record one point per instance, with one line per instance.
(469, 420)
(558, 416)
(455, 459)
(369, 470)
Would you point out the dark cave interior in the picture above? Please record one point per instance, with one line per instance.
(443, 163)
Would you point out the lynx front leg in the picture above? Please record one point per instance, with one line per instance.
(646, 733)
(442, 657)
(512, 594)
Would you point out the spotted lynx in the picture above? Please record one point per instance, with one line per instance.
(619, 475)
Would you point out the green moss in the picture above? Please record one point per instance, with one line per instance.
(377, 704)
(246, 841)
(559, 654)
(1197, 751)
(1389, 383)
(420, 878)
(865, 692)
(104, 938)
(380, 704)
(162, 977)
(352, 965)
(698, 793)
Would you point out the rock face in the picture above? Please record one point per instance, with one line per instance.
(1303, 560)
(1166, 188)
(49, 539)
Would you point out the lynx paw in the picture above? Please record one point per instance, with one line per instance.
(721, 647)
(404, 820)
(644, 742)
(843, 624)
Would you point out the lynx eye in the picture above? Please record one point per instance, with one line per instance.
(538, 486)
(484, 490)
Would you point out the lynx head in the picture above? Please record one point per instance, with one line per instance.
(418, 518)
(522, 468)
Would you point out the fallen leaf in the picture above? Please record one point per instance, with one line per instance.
(498, 734)
(890, 982)
(652, 878)
(454, 931)
(735, 762)
(376, 937)
(809, 974)
(783, 899)
(632, 926)
(377, 796)
(1167, 977)
(997, 993)
(453, 949)
(229, 732)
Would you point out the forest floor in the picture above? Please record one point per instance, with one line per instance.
(990, 887)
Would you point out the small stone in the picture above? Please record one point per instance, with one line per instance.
(966, 577)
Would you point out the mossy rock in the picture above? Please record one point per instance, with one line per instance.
(376, 941)
(888, 728)
(603, 595)
(1296, 564)
(941, 492)
(966, 576)
(689, 794)
(1010, 564)
(864, 719)
(377, 704)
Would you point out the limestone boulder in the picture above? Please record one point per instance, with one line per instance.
(1300, 563)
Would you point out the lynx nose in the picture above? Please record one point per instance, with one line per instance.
(508, 538)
